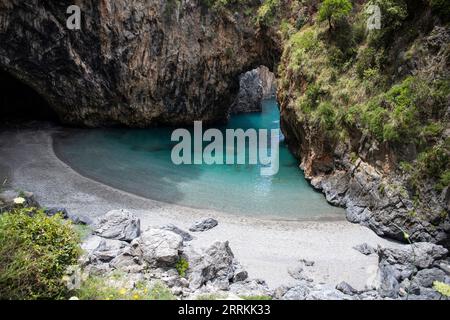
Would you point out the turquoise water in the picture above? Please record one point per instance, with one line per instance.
(139, 161)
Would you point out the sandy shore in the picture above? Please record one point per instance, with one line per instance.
(267, 249)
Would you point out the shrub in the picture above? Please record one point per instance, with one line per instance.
(35, 251)
(100, 288)
(442, 288)
(182, 266)
(334, 10)
(267, 12)
(394, 12)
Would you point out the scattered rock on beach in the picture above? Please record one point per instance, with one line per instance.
(204, 225)
(118, 225)
(365, 249)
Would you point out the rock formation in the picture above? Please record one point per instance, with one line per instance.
(134, 63)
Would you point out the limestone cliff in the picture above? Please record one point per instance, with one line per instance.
(134, 62)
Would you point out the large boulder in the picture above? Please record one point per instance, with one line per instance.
(118, 225)
(215, 265)
(158, 247)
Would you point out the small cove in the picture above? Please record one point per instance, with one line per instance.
(138, 161)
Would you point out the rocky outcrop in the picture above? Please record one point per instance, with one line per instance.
(342, 155)
(254, 86)
(250, 93)
(410, 272)
(134, 63)
(155, 256)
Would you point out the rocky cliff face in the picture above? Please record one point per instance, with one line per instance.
(134, 63)
(329, 115)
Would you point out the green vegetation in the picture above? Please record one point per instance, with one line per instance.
(35, 251)
(211, 296)
(348, 81)
(267, 12)
(442, 288)
(101, 288)
(256, 297)
(334, 10)
(182, 266)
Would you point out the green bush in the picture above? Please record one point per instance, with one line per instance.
(267, 12)
(35, 251)
(334, 10)
(393, 13)
(182, 266)
(100, 288)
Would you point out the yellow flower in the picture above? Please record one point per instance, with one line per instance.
(123, 291)
(19, 200)
(136, 297)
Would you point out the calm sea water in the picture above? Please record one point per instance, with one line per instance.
(138, 161)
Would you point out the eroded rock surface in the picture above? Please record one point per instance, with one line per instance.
(134, 63)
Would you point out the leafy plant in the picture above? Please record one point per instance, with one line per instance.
(35, 251)
(442, 288)
(182, 266)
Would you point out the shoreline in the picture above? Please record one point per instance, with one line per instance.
(268, 250)
(226, 214)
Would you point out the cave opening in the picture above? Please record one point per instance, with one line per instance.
(20, 103)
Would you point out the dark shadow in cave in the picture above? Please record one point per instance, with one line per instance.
(20, 103)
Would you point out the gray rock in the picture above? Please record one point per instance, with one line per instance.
(445, 266)
(328, 294)
(419, 254)
(296, 272)
(108, 249)
(79, 219)
(54, 211)
(118, 225)
(91, 243)
(247, 288)
(426, 277)
(128, 262)
(388, 283)
(426, 294)
(185, 235)
(279, 292)
(240, 274)
(250, 93)
(203, 225)
(307, 263)
(215, 265)
(158, 247)
(299, 292)
(365, 249)
(345, 288)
